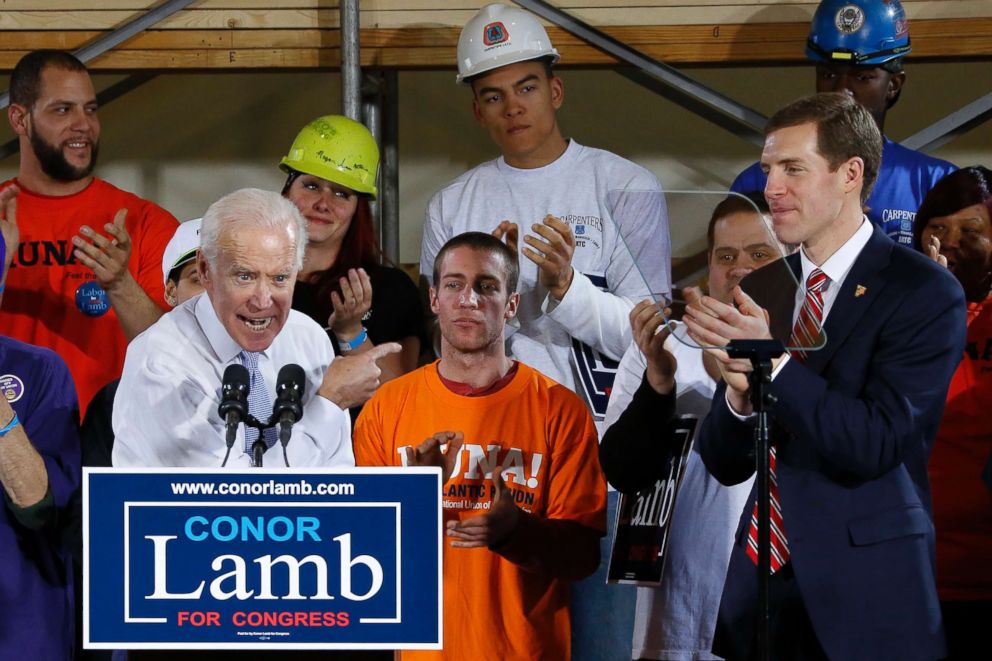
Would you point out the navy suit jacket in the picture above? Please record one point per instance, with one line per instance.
(854, 426)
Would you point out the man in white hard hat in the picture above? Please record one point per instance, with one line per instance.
(574, 210)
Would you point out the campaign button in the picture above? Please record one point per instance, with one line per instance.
(12, 387)
(91, 299)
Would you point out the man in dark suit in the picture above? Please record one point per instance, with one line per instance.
(852, 535)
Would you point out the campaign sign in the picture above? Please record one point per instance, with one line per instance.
(644, 520)
(284, 559)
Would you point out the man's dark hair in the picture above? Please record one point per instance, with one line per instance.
(956, 191)
(485, 243)
(748, 202)
(844, 129)
(25, 81)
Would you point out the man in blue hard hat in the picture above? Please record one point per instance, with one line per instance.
(858, 46)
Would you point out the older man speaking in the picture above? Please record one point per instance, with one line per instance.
(166, 410)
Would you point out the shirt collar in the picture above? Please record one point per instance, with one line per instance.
(838, 264)
(217, 336)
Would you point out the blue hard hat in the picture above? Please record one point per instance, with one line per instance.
(861, 32)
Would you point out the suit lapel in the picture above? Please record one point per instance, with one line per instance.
(864, 283)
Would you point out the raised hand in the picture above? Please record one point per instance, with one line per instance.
(650, 332)
(713, 324)
(510, 232)
(106, 257)
(350, 305)
(8, 225)
(552, 251)
(933, 251)
(432, 452)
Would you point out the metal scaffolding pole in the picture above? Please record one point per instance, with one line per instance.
(351, 63)
(389, 189)
(372, 112)
(960, 121)
(381, 111)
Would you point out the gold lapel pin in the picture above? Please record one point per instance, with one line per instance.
(860, 290)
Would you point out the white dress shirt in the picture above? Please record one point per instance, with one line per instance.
(836, 268)
(165, 412)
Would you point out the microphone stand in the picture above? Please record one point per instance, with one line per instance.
(259, 447)
(761, 353)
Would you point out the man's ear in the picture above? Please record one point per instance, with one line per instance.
(19, 118)
(432, 299)
(477, 112)
(896, 81)
(557, 92)
(170, 293)
(511, 306)
(203, 269)
(854, 173)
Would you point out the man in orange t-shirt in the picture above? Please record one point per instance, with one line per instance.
(524, 498)
(84, 257)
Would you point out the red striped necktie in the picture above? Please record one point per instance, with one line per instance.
(806, 333)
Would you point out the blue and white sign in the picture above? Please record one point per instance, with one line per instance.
(282, 559)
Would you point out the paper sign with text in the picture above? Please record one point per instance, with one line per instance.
(286, 558)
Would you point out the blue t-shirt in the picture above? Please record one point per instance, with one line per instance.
(36, 587)
(904, 179)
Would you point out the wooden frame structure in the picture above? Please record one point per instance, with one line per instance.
(418, 34)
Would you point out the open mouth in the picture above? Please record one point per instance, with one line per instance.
(256, 325)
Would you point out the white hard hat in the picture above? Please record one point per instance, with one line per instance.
(499, 35)
(182, 248)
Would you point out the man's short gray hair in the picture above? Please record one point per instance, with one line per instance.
(249, 208)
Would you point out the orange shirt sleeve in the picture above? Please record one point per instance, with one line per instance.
(565, 543)
(367, 437)
(578, 486)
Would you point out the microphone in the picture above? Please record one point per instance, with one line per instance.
(234, 400)
(291, 385)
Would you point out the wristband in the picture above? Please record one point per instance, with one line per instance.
(3, 285)
(356, 342)
(10, 425)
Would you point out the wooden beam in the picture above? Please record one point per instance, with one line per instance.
(311, 14)
(421, 47)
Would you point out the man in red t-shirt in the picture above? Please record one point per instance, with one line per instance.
(84, 258)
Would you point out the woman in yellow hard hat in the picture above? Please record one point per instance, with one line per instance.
(332, 166)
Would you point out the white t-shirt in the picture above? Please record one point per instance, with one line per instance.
(610, 204)
(678, 619)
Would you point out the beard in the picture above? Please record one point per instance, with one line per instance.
(54, 164)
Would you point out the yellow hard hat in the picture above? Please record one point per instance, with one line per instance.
(338, 149)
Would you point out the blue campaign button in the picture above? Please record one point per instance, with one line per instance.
(91, 299)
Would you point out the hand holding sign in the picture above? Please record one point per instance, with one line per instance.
(433, 453)
(489, 529)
